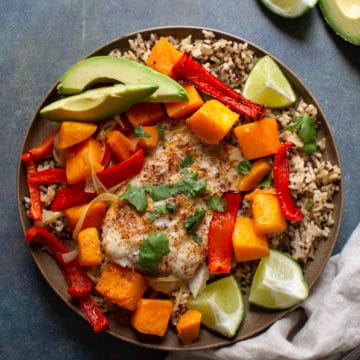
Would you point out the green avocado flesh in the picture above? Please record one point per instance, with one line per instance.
(98, 69)
(97, 104)
(343, 16)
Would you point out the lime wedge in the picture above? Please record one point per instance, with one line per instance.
(222, 306)
(278, 282)
(289, 8)
(267, 85)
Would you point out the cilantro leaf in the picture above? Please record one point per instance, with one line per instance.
(190, 185)
(152, 249)
(193, 222)
(160, 192)
(305, 125)
(135, 196)
(244, 167)
(160, 130)
(188, 160)
(169, 207)
(197, 238)
(140, 132)
(216, 203)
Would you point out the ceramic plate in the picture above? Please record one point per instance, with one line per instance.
(256, 320)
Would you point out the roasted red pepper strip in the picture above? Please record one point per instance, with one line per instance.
(44, 149)
(220, 235)
(111, 176)
(192, 71)
(48, 176)
(93, 313)
(34, 191)
(281, 182)
(75, 275)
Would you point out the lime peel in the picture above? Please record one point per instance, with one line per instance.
(289, 8)
(222, 306)
(278, 282)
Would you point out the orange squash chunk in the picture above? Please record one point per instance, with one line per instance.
(121, 286)
(181, 109)
(93, 218)
(74, 132)
(119, 144)
(152, 316)
(259, 138)
(78, 159)
(212, 121)
(258, 170)
(188, 326)
(248, 244)
(163, 57)
(148, 143)
(145, 114)
(89, 247)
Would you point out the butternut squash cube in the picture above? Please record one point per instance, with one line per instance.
(93, 218)
(181, 109)
(259, 169)
(152, 316)
(188, 326)
(248, 244)
(266, 211)
(258, 139)
(74, 132)
(89, 247)
(163, 57)
(212, 121)
(148, 143)
(121, 286)
(145, 114)
(119, 144)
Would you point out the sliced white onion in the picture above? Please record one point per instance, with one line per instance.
(48, 217)
(105, 197)
(198, 282)
(93, 183)
(70, 256)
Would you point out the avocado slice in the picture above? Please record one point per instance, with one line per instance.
(98, 69)
(343, 16)
(97, 104)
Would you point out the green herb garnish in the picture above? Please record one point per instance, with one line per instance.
(197, 238)
(160, 130)
(161, 192)
(188, 160)
(169, 207)
(193, 222)
(190, 185)
(244, 167)
(216, 203)
(267, 181)
(152, 250)
(140, 132)
(307, 132)
(135, 196)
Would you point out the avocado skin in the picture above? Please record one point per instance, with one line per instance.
(98, 69)
(348, 29)
(97, 104)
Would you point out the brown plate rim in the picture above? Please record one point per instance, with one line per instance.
(119, 327)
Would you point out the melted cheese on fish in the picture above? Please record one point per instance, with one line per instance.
(124, 229)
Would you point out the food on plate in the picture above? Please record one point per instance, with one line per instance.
(343, 17)
(98, 69)
(167, 206)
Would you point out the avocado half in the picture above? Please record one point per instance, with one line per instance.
(98, 69)
(343, 16)
(97, 104)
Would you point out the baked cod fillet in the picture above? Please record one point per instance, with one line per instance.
(124, 229)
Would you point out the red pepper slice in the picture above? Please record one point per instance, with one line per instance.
(75, 195)
(48, 176)
(44, 149)
(93, 313)
(192, 71)
(281, 182)
(75, 275)
(220, 235)
(43, 236)
(34, 191)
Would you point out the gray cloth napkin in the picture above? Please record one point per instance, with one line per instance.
(332, 322)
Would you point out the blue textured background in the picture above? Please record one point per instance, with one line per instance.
(40, 39)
